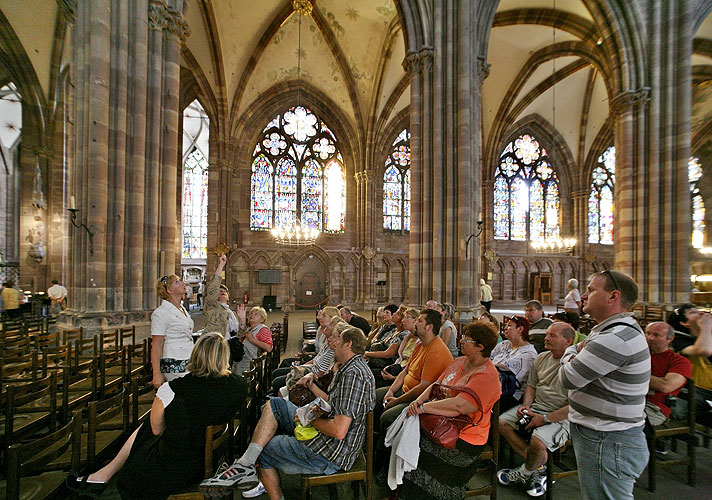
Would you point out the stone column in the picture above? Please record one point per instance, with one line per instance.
(126, 67)
(652, 132)
(446, 162)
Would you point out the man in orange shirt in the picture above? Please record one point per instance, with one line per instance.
(428, 361)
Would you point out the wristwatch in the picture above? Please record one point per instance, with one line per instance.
(546, 419)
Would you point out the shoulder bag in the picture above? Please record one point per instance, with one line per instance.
(443, 430)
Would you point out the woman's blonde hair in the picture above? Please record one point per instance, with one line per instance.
(260, 310)
(163, 284)
(210, 356)
(339, 327)
(330, 311)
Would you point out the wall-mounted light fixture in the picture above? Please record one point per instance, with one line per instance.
(73, 210)
(476, 234)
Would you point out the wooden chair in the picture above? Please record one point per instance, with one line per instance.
(31, 473)
(142, 395)
(138, 359)
(216, 437)
(490, 458)
(109, 341)
(72, 335)
(362, 470)
(554, 458)
(680, 429)
(20, 369)
(108, 423)
(127, 335)
(29, 408)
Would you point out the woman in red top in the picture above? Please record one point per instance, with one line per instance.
(444, 473)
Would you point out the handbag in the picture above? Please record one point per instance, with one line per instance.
(443, 430)
(237, 349)
(300, 395)
(509, 382)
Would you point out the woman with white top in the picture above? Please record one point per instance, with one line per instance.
(514, 355)
(448, 332)
(258, 337)
(572, 302)
(171, 332)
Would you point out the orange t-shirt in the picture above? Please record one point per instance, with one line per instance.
(483, 383)
(427, 363)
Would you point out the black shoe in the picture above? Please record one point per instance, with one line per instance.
(83, 487)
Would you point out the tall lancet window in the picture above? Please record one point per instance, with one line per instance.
(600, 199)
(10, 140)
(526, 193)
(297, 172)
(196, 132)
(694, 172)
(396, 185)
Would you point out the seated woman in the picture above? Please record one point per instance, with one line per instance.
(388, 374)
(443, 473)
(514, 356)
(384, 352)
(166, 455)
(321, 363)
(323, 317)
(448, 331)
(258, 337)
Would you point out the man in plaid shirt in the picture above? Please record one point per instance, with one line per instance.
(340, 434)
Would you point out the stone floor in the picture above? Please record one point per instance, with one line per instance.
(671, 480)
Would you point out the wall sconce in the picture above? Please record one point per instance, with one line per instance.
(73, 210)
(476, 234)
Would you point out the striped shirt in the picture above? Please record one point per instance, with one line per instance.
(608, 380)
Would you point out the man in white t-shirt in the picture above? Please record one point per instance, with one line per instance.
(58, 295)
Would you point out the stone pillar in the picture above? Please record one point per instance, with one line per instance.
(126, 67)
(652, 136)
(446, 159)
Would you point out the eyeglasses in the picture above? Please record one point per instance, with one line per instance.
(613, 279)
(467, 341)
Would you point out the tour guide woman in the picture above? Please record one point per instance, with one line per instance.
(171, 332)
(166, 455)
(443, 473)
(218, 315)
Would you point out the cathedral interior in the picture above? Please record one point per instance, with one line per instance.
(430, 144)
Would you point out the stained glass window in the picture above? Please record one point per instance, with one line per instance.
(195, 182)
(297, 173)
(600, 199)
(396, 185)
(694, 172)
(526, 193)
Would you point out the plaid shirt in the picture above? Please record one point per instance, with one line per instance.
(352, 393)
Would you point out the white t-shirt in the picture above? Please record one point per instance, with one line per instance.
(176, 327)
(571, 299)
(57, 291)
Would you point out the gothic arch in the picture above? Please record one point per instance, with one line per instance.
(316, 251)
(603, 140)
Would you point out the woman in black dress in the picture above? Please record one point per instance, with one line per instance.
(165, 456)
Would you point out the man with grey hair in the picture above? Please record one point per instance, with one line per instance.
(669, 371)
(546, 402)
(355, 320)
(534, 312)
(607, 377)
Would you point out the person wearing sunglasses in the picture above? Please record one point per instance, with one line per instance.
(607, 381)
(171, 332)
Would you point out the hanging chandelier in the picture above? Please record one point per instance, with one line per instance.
(554, 245)
(297, 234)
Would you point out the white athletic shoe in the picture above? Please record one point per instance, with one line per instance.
(254, 492)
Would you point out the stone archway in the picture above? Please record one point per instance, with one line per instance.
(311, 283)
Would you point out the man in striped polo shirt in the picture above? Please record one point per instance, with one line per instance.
(607, 377)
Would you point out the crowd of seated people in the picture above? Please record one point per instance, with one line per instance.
(411, 362)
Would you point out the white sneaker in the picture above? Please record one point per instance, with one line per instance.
(227, 477)
(254, 492)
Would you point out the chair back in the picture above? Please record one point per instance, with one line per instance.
(215, 436)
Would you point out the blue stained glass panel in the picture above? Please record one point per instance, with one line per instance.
(312, 194)
(406, 201)
(606, 215)
(261, 189)
(195, 206)
(519, 202)
(501, 209)
(593, 217)
(552, 209)
(536, 210)
(334, 197)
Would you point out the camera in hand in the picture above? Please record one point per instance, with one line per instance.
(523, 422)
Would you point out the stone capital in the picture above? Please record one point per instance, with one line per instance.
(365, 177)
(630, 99)
(68, 8)
(156, 16)
(176, 25)
(483, 69)
(418, 62)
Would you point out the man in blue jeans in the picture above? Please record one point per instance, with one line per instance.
(340, 436)
(607, 377)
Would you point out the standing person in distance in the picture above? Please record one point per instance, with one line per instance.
(58, 295)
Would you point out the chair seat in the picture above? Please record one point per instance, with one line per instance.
(22, 422)
(37, 487)
(356, 473)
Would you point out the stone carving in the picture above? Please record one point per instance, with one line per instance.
(156, 16)
(419, 61)
(176, 25)
(303, 7)
(625, 101)
(483, 69)
(368, 252)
